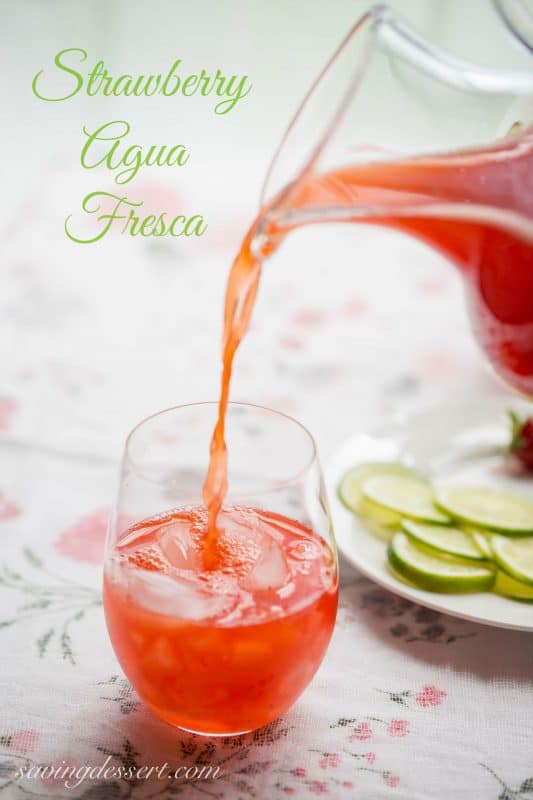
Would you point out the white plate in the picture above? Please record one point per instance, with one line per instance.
(459, 444)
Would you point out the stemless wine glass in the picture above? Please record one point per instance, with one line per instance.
(225, 650)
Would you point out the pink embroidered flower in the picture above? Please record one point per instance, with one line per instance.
(291, 343)
(347, 784)
(7, 409)
(398, 727)
(299, 772)
(361, 732)
(8, 510)
(370, 757)
(330, 760)
(318, 787)
(54, 775)
(26, 374)
(430, 696)
(432, 286)
(23, 741)
(84, 541)
(392, 780)
(309, 318)
(289, 790)
(157, 195)
(356, 307)
(439, 364)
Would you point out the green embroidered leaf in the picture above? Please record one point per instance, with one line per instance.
(255, 768)
(207, 752)
(188, 748)
(396, 697)
(66, 647)
(107, 752)
(343, 722)
(5, 740)
(6, 623)
(244, 786)
(36, 605)
(34, 560)
(111, 680)
(13, 575)
(129, 754)
(527, 785)
(44, 641)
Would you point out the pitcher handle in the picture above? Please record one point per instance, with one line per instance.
(396, 37)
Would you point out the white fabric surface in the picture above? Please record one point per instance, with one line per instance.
(350, 326)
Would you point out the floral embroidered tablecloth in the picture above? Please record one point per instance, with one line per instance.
(350, 327)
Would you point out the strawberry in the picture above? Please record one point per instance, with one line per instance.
(522, 439)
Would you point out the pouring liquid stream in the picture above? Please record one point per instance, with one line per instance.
(474, 206)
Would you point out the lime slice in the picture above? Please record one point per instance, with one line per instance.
(450, 540)
(482, 541)
(510, 587)
(400, 577)
(377, 529)
(400, 496)
(350, 486)
(495, 509)
(515, 556)
(378, 515)
(437, 573)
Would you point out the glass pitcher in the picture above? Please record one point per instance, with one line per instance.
(399, 133)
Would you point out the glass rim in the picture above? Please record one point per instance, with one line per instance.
(313, 458)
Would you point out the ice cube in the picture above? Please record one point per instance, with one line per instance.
(304, 550)
(270, 570)
(239, 541)
(181, 595)
(178, 545)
